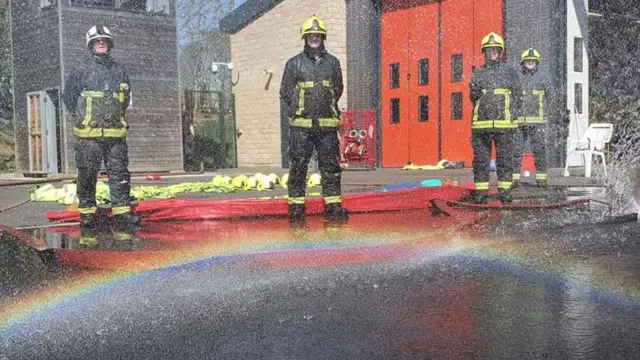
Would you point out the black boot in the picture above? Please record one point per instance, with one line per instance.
(477, 197)
(297, 215)
(126, 220)
(541, 183)
(505, 196)
(89, 221)
(335, 213)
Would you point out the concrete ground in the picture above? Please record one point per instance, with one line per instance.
(535, 284)
(17, 211)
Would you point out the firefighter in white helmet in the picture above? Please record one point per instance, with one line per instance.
(97, 94)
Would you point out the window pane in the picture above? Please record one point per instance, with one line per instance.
(577, 95)
(456, 68)
(395, 111)
(456, 106)
(394, 70)
(423, 72)
(423, 108)
(577, 54)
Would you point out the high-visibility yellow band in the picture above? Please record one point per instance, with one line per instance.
(89, 132)
(87, 210)
(301, 122)
(300, 102)
(502, 91)
(326, 83)
(542, 176)
(307, 123)
(297, 200)
(87, 117)
(531, 120)
(305, 84)
(333, 199)
(92, 94)
(504, 185)
(482, 186)
(88, 240)
(119, 210)
(516, 176)
(491, 124)
(328, 122)
(122, 236)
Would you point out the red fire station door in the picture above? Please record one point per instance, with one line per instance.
(429, 50)
(410, 83)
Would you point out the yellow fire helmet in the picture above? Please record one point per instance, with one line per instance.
(492, 40)
(530, 54)
(313, 25)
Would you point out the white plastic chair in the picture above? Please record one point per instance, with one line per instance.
(593, 142)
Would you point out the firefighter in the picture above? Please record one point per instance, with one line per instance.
(310, 90)
(532, 120)
(97, 94)
(496, 97)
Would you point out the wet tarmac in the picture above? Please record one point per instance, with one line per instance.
(527, 284)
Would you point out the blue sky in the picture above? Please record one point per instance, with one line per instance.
(239, 2)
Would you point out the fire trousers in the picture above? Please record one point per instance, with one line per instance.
(302, 143)
(89, 154)
(481, 141)
(536, 136)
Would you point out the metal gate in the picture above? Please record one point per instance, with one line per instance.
(213, 116)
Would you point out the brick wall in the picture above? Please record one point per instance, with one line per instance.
(266, 44)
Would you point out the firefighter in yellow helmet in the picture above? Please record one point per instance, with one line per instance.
(496, 95)
(310, 90)
(532, 120)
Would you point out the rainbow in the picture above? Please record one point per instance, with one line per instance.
(280, 249)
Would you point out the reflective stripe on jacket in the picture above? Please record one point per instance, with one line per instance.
(97, 94)
(310, 91)
(535, 91)
(496, 97)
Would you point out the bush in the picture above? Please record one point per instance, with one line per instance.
(7, 149)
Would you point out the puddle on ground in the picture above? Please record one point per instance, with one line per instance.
(387, 285)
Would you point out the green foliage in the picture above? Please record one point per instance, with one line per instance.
(7, 151)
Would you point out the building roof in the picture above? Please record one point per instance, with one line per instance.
(245, 14)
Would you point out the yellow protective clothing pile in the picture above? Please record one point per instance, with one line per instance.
(259, 182)
(440, 166)
(67, 194)
(262, 182)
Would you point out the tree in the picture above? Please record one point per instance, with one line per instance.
(197, 18)
(6, 100)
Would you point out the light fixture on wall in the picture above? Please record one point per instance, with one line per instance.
(215, 67)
